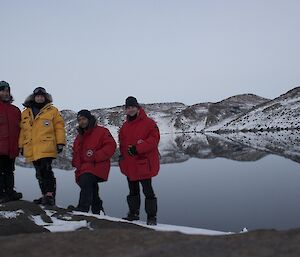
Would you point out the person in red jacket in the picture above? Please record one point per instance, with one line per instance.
(92, 150)
(10, 117)
(139, 161)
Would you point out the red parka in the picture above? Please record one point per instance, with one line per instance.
(92, 152)
(10, 117)
(144, 134)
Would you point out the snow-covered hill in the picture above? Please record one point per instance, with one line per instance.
(281, 113)
(173, 117)
(208, 130)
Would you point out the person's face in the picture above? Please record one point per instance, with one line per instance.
(131, 110)
(83, 122)
(39, 99)
(4, 95)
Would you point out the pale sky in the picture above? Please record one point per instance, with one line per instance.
(93, 54)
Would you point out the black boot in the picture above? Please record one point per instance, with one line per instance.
(42, 200)
(3, 197)
(15, 196)
(151, 210)
(48, 200)
(41, 185)
(134, 203)
(11, 194)
(97, 206)
(2, 185)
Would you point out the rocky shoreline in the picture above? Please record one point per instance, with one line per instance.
(22, 235)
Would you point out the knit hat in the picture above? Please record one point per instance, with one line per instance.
(4, 85)
(131, 102)
(84, 113)
(39, 91)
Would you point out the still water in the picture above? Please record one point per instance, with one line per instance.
(218, 194)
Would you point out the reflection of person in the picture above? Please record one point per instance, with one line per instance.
(139, 161)
(93, 148)
(10, 117)
(42, 137)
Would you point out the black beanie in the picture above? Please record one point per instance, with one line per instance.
(84, 113)
(131, 102)
(4, 85)
(39, 91)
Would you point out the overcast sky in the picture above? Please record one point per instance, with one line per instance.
(93, 54)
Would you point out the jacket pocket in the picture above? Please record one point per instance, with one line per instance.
(143, 166)
(48, 145)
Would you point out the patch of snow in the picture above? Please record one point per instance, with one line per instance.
(59, 225)
(10, 214)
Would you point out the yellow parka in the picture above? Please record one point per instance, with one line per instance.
(40, 136)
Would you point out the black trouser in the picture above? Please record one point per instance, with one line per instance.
(134, 188)
(134, 198)
(89, 194)
(45, 175)
(7, 181)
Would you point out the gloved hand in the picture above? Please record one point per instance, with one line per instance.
(132, 150)
(59, 148)
(21, 151)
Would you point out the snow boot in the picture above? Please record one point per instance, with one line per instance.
(15, 196)
(97, 206)
(48, 200)
(134, 202)
(151, 210)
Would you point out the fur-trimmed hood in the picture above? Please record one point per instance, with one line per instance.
(30, 99)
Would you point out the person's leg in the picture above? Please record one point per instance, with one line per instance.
(97, 203)
(150, 201)
(2, 178)
(48, 181)
(38, 175)
(86, 182)
(133, 200)
(2, 185)
(8, 180)
(9, 176)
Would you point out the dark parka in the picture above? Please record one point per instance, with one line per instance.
(92, 151)
(10, 117)
(144, 134)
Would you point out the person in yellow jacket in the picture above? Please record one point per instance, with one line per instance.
(42, 137)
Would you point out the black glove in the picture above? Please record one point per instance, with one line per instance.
(132, 150)
(59, 148)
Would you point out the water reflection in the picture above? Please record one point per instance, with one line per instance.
(175, 148)
(250, 185)
(215, 193)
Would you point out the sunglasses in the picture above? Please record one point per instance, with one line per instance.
(40, 90)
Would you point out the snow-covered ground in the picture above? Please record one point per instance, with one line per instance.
(59, 225)
(66, 224)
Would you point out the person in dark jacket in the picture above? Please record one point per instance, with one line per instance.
(92, 150)
(139, 161)
(10, 117)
